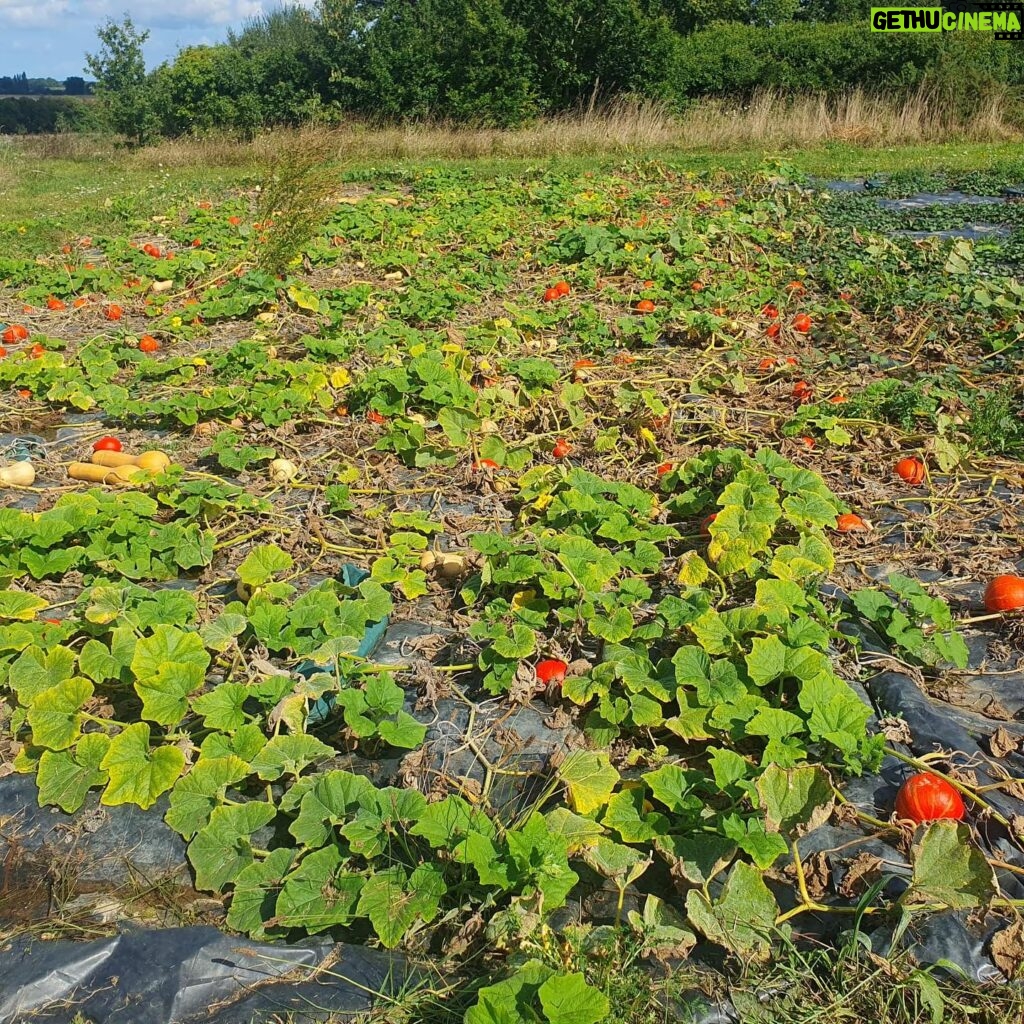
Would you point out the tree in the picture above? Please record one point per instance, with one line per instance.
(458, 59)
(584, 49)
(120, 72)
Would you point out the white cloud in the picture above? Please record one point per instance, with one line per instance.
(183, 14)
(43, 13)
(51, 36)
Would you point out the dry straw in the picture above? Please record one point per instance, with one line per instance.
(768, 120)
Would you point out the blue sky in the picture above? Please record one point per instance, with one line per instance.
(50, 37)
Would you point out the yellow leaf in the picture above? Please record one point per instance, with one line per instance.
(304, 299)
(589, 778)
(341, 378)
(648, 438)
(693, 570)
(522, 598)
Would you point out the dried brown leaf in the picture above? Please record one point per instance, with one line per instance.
(863, 871)
(1007, 948)
(1002, 742)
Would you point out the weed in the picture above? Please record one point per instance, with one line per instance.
(297, 192)
(996, 423)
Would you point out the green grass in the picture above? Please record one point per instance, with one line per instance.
(818, 986)
(54, 199)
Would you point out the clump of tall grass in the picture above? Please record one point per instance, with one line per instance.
(298, 190)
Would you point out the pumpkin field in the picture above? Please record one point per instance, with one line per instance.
(511, 573)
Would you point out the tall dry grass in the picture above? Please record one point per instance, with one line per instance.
(768, 120)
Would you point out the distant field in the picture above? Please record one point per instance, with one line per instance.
(47, 95)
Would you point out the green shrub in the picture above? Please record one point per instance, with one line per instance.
(735, 59)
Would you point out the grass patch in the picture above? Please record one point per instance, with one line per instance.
(800, 986)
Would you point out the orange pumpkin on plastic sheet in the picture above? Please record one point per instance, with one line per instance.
(551, 671)
(910, 471)
(1005, 594)
(850, 522)
(14, 334)
(926, 797)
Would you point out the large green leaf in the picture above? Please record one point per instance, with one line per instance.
(36, 670)
(139, 773)
(15, 604)
(766, 660)
(568, 999)
(66, 776)
(222, 849)
(319, 893)
(670, 785)
(254, 897)
(742, 919)
(55, 714)
(513, 1000)
(330, 802)
(196, 794)
(168, 666)
(394, 901)
(698, 858)
(263, 563)
(403, 732)
(221, 707)
(795, 800)
(96, 662)
(447, 821)
(949, 868)
(289, 755)
(624, 864)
